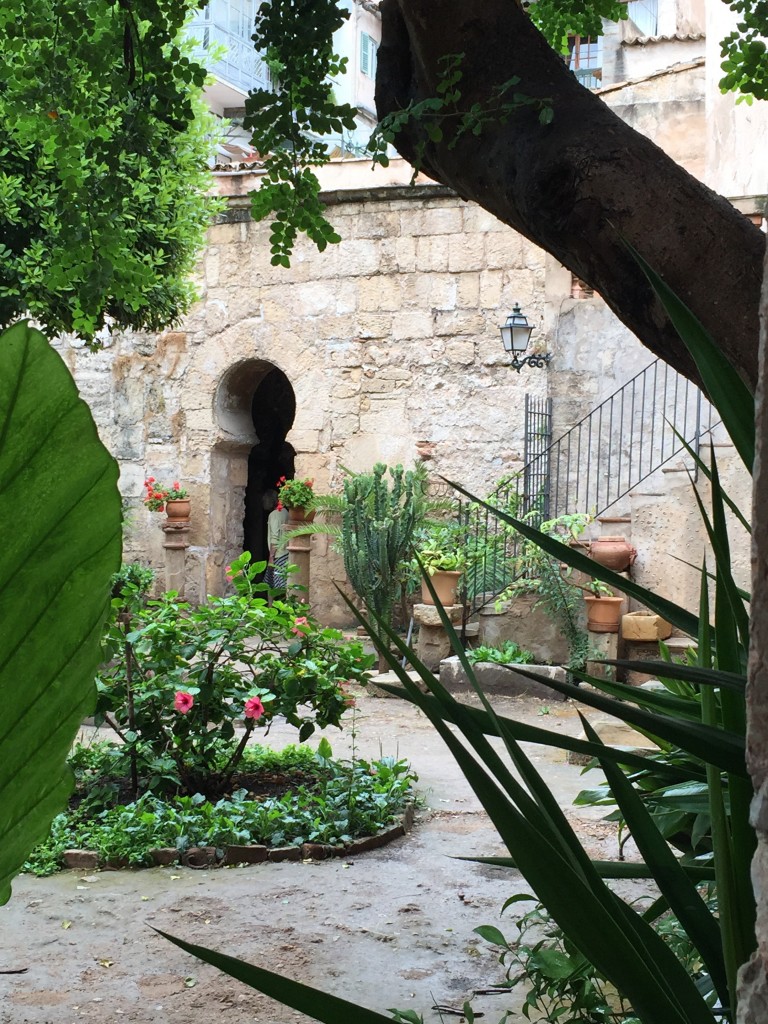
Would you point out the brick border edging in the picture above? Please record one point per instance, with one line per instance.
(200, 857)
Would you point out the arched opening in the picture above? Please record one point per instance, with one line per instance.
(273, 409)
(255, 407)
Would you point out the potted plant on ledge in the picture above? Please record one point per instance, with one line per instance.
(298, 497)
(444, 563)
(603, 607)
(173, 499)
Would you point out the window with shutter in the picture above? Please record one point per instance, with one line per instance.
(367, 55)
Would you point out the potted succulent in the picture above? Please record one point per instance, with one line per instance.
(444, 562)
(173, 499)
(298, 497)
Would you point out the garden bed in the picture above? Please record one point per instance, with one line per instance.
(287, 805)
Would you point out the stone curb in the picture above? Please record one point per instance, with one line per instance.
(202, 857)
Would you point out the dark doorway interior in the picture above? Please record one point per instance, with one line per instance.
(273, 409)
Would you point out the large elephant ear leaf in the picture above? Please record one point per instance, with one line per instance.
(61, 540)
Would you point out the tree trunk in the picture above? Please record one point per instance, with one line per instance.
(577, 185)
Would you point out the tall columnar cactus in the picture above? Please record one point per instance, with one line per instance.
(377, 533)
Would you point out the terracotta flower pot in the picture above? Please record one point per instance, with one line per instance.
(446, 586)
(613, 552)
(300, 515)
(603, 614)
(178, 511)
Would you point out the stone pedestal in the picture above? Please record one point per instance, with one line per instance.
(603, 645)
(433, 643)
(175, 542)
(298, 555)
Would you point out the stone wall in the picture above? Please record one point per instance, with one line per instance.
(389, 345)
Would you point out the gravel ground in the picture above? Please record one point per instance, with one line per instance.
(390, 928)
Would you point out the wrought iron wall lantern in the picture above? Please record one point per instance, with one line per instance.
(515, 335)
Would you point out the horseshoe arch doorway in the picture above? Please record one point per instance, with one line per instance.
(255, 409)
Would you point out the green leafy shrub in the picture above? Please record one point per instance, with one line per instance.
(559, 981)
(180, 677)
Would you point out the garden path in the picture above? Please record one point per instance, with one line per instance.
(390, 928)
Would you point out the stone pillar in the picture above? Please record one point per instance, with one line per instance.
(175, 542)
(753, 977)
(298, 554)
(433, 643)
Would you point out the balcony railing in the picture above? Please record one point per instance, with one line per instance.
(240, 66)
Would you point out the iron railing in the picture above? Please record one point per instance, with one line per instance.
(589, 469)
(229, 24)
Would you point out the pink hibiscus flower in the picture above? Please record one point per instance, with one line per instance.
(298, 624)
(254, 708)
(183, 702)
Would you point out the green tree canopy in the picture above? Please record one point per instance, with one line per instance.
(103, 178)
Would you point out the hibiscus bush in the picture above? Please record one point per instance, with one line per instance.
(178, 678)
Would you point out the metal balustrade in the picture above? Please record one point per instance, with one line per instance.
(589, 469)
(228, 25)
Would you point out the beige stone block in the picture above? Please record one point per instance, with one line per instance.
(374, 325)
(466, 252)
(405, 254)
(346, 297)
(461, 352)
(476, 219)
(312, 298)
(411, 325)
(468, 290)
(334, 326)
(503, 251)
(430, 291)
(344, 353)
(432, 254)
(441, 220)
(379, 293)
(395, 373)
(357, 258)
(344, 426)
(305, 441)
(490, 291)
(223, 234)
(212, 268)
(378, 224)
(346, 389)
(458, 322)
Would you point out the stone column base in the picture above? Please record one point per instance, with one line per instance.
(175, 542)
(433, 643)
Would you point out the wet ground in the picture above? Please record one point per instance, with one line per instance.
(390, 928)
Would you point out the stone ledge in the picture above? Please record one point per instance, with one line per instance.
(502, 680)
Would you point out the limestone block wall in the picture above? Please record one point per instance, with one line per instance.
(387, 343)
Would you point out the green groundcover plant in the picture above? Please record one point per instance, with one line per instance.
(328, 801)
(508, 653)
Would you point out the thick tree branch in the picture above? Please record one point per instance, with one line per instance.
(579, 184)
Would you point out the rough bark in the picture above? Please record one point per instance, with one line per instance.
(577, 185)
(753, 977)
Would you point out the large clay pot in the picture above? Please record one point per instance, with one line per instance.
(446, 586)
(300, 515)
(178, 511)
(613, 552)
(603, 614)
